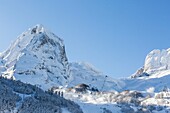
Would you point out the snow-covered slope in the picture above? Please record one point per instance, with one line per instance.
(83, 72)
(37, 57)
(19, 97)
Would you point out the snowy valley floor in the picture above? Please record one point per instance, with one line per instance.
(119, 102)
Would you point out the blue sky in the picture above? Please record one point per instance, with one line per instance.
(113, 35)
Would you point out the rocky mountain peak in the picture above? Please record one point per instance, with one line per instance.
(38, 57)
(156, 61)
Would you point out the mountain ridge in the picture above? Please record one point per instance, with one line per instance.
(47, 64)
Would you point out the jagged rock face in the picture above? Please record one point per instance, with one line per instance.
(139, 73)
(37, 57)
(157, 60)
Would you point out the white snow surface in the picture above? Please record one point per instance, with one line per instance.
(83, 72)
(95, 102)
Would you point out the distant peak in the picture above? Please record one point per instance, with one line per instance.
(87, 66)
(156, 61)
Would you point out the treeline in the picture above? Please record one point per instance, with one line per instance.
(18, 97)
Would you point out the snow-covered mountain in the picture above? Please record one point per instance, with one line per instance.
(155, 72)
(157, 64)
(38, 57)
